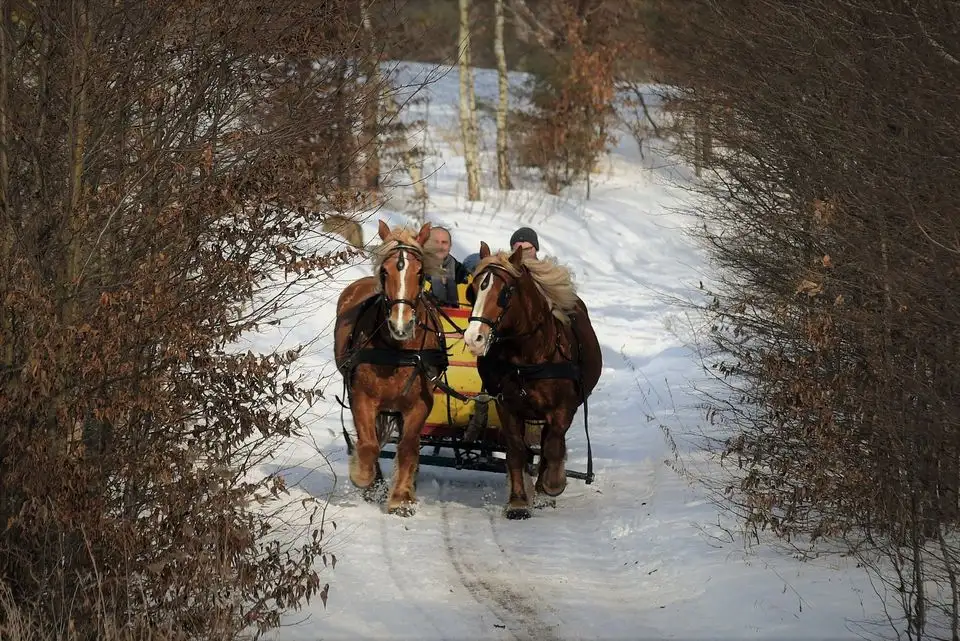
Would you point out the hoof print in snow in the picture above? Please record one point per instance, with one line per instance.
(517, 513)
(404, 509)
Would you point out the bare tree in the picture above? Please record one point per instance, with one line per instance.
(566, 131)
(468, 106)
(371, 117)
(503, 105)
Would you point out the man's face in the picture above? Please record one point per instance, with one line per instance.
(529, 251)
(440, 240)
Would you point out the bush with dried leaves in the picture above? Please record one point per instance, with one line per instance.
(161, 163)
(830, 214)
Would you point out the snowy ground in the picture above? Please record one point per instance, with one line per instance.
(637, 554)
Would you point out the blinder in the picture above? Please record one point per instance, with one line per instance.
(505, 294)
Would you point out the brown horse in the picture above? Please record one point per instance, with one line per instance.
(537, 353)
(389, 347)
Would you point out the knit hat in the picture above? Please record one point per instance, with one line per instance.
(470, 262)
(525, 235)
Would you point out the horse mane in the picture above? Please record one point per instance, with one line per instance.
(553, 280)
(403, 236)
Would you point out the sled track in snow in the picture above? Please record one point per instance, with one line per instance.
(402, 585)
(519, 613)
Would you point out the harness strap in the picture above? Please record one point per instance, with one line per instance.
(479, 398)
(460, 330)
(541, 371)
(586, 433)
(586, 408)
(343, 425)
(401, 357)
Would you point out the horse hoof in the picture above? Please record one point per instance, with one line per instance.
(375, 492)
(517, 513)
(548, 489)
(404, 509)
(553, 493)
(363, 479)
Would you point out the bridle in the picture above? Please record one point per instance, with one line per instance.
(503, 299)
(401, 263)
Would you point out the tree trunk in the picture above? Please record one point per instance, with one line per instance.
(503, 166)
(71, 228)
(468, 106)
(6, 222)
(368, 142)
(345, 124)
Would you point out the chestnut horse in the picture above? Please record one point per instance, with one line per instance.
(389, 347)
(537, 354)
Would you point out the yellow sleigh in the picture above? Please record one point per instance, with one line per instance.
(451, 414)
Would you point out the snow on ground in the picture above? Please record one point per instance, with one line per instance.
(635, 555)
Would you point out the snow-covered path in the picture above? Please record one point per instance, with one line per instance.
(636, 555)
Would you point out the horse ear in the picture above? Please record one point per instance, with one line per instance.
(383, 230)
(516, 258)
(484, 250)
(424, 234)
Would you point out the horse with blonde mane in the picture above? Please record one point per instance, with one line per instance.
(390, 348)
(537, 354)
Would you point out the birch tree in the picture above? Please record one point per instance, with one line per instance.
(503, 165)
(468, 106)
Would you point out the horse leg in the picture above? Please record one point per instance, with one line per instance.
(402, 501)
(377, 490)
(552, 473)
(363, 461)
(518, 505)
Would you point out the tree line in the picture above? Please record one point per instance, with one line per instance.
(827, 134)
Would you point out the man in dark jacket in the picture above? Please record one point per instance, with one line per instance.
(444, 287)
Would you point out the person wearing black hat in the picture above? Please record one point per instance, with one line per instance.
(528, 240)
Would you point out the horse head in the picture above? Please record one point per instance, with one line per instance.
(493, 287)
(400, 264)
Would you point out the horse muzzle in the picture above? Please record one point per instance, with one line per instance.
(478, 340)
(402, 330)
